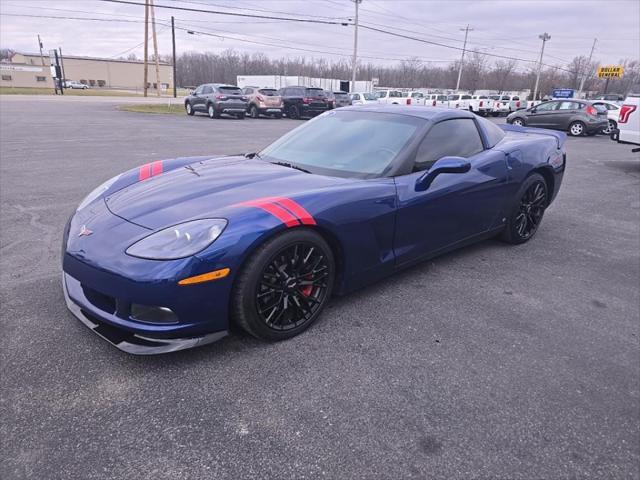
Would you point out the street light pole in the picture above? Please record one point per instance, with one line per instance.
(544, 37)
(464, 48)
(584, 74)
(354, 62)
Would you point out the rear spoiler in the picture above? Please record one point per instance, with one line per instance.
(559, 136)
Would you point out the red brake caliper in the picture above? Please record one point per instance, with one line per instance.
(307, 289)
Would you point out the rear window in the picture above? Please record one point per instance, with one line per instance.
(505, 97)
(442, 98)
(494, 97)
(315, 92)
(341, 95)
(269, 92)
(466, 97)
(230, 90)
(369, 96)
(454, 97)
(493, 132)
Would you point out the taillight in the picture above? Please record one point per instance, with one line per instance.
(221, 97)
(260, 99)
(408, 101)
(591, 110)
(625, 112)
(481, 103)
(307, 100)
(517, 104)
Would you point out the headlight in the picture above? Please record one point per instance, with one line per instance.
(179, 241)
(97, 192)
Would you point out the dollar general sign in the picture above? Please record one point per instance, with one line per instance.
(611, 71)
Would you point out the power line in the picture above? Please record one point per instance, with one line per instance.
(234, 14)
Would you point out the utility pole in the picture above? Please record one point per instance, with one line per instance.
(173, 41)
(58, 71)
(544, 37)
(464, 48)
(354, 62)
(155, 45)
(64, 77)
(40, 45)
(584, 74)
(146, 46)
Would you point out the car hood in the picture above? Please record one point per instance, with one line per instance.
(205, 188)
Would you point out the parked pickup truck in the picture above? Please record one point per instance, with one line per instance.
(481, 104)
(507, 104)
(459, 101)
(392, 97)
(436, 100)
(628, 130)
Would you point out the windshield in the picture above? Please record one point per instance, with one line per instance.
(351, 144)
(369, 96)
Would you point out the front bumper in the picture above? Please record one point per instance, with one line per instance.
(127, 341)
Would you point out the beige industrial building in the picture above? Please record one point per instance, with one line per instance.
(27, 70)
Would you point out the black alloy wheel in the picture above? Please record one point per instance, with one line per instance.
(292, 287)
(284, 286)
(526, 217)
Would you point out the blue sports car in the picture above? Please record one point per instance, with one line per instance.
(171, 254)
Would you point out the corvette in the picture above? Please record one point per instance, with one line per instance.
(174, 253)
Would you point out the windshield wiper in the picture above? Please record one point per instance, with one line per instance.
(252, 155)
(291, 165)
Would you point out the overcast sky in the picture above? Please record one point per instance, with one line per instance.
(508, 28)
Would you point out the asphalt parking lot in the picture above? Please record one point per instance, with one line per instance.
(493, 362)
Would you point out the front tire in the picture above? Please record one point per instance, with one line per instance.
(576, 129)
(189, 108)
(525, 218)
(518, 121)
(284, 286)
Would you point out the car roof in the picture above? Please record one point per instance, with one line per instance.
(428, 113)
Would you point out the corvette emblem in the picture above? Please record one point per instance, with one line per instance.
(84, 231)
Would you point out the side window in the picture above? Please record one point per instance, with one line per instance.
(382, 94)
(458, 137)
(546, 107)
(569, 106)
(207, 90)
(199, 90)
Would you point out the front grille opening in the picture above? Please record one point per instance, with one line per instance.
(152, 314)
(100, 300)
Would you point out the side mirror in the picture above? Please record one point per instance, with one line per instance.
(444, 165)
(533, 109)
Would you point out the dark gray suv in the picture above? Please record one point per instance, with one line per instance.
(576, 117)
(214, 99)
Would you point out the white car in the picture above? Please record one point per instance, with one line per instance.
(363, 98)
(613, 112)
(628, 130)
(73, 84)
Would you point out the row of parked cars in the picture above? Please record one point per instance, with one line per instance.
(295, 102)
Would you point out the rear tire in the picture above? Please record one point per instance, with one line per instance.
(253, 112)
(518, 121)
(240, 116)
(526, 215)
(610, 127)
(284, 285)
(211, 111)
(189, 109)
(293, 112)
(576, 129)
